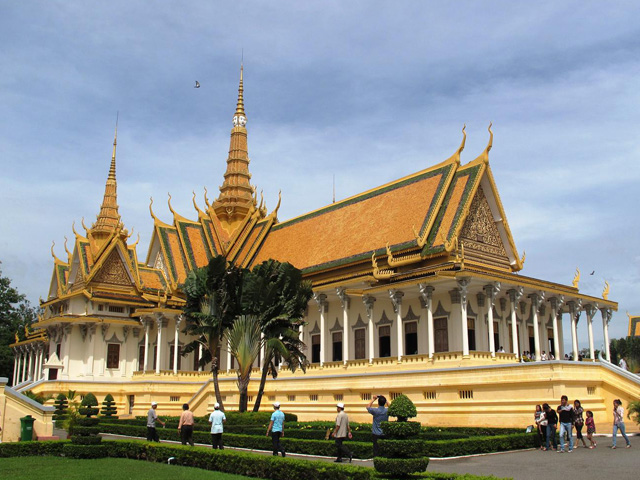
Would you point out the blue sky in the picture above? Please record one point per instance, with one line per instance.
(365, 91)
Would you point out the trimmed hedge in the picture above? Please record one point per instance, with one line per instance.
(400, 429)
(84, 451)
(227, 461)
(474, 445)
(237, 418)
(400, 467)
(410, 448)
(86, 440)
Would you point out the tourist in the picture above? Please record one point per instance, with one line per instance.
(551, 356)
(566, 356)
(276, 427)
(185, 426)
(152, 418)
(501, 349)
(217, 420)
(541, 424)
(618, 423)
(578, 422)
(543, 356)
(552, 425)
(591, 428)
(623, 364)
(380, 414)
(565, 413)
(342, 431)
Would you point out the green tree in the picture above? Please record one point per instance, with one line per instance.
(277, 295)
(633, 411)
(109, 408)
(244, 340)
(213, 303)
(15, 314)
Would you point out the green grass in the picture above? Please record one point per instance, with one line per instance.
(28, 468)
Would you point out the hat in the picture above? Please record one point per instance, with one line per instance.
(217, 405)
(154, 404)
(276, 404)
(340, 405)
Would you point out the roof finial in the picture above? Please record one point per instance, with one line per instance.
(112, 169)
(240, 105)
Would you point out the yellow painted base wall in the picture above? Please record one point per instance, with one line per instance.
(12, 409)
(493, 394)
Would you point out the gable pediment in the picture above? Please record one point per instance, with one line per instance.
(113, 271)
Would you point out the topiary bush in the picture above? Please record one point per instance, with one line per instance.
(61, 405)
(399, 430)
(109, 409)
(402, 408)
(89, 406)
(400, 467)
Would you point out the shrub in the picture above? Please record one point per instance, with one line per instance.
(402, 408)
(109, 409)
(401, 448)
(61, 405)
(88, 406)
(86, 440)
(30, 449)
(84, 451)
(400, 467)
(400, 429)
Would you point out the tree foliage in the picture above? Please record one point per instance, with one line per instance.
(402, 407)
(244, 340)
(15, 315)
(629, 348)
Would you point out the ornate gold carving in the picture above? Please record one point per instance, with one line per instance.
(113, 271)
(605, 292)
(479, 230)
(377, 273)
(576, 278)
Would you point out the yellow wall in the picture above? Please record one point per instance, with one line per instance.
(15, 406)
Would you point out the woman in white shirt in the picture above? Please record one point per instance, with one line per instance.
(618, 422)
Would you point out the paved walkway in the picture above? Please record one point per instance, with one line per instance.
(583, 463)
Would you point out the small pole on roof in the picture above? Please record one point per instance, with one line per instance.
(334, 188)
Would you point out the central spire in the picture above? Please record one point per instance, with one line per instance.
(108, 220)
(236, 197)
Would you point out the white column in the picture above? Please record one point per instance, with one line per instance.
(66, 350)
(147, 327)
(514, 297)
(574, 311)
(23, 377)
(426, 300)
(176, 345)
(228, 358)
(199, 357)
(345, 302)
(491, 292)
(91, 331)
(591, 311)
(556, 309)
(41, 363)
(160, 322)
(369, 301)
(321, 299)
(536, 301)
(29, 368)
(606, 318)
(15, 368)
(36, 373)
(396, 300)
(463, 284)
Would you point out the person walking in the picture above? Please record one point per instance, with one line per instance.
(185, 426)
(578, 422)
(541, 423)
(276, 427)
(618, 423)
(552, 425)
(591, 428)
(565, 413)
(152, 418)
(217, 420)
(340, 432)
(380, 414)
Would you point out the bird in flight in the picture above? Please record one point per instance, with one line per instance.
(592, 272)
(197, 85)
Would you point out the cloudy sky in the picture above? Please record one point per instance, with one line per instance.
(365, 91)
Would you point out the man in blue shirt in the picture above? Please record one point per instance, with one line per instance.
(276, 427)
(380, 414)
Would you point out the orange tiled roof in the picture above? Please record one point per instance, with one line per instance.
(350, 230)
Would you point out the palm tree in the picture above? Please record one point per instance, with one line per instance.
(244, 340)
(277, 295)
(212, 304)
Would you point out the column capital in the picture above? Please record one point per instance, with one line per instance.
(591, 310)
(492, 290)
(125, 332)
(396, 298)
(426, 295)
(368, 301)
(345, 300)
(321, 300)
(575, 309)
(536, 300)
(556, 304)
(161, 320)
(179, 320)
(606, 315)
(515, 294)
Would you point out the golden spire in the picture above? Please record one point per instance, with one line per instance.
(235, 201)
(108, 220)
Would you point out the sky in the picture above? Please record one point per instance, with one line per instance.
(364, 91)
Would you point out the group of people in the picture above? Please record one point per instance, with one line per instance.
(217, 419)
(569, 416)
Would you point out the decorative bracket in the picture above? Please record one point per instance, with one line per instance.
(368, 301)
(396, 299)
(345, 300)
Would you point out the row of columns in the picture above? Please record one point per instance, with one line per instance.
(490, 293)
(28, 363)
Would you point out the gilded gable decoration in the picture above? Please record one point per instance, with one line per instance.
(480, 231)
(113, 271)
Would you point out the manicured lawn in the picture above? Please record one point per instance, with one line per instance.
(28, 468)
